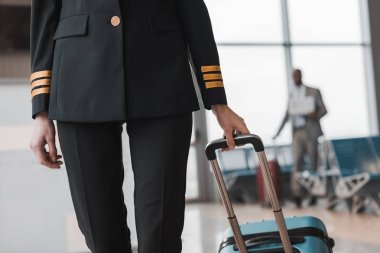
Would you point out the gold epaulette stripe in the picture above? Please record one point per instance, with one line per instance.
(40, 91)
(40, 74)
(40, 82)
(207, 77)
(210, 68)
(216, 84)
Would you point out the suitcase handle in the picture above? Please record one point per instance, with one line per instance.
(240, 140)
(259, 148)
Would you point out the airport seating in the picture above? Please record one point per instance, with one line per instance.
(348, 171)
(239, 171)
(239, 168)
(356, 166)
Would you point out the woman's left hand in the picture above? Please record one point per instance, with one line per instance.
(230, 122)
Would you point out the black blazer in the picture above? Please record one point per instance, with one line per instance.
(96, 61)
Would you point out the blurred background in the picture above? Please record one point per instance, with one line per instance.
(336, 43)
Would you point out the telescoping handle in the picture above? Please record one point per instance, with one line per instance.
(259, 148)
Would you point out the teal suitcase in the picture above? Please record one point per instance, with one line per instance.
(296, 234)
(307, 234)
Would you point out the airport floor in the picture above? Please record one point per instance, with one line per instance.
(205, 224)
(35, 205)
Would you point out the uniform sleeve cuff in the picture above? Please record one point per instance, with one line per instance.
(213, 86)
(215, 96)
(40, 91)
(40, 103)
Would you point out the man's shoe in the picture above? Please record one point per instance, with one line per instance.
(313, 201)
(297, 201)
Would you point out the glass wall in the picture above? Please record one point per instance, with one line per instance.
(240, 21)
(339, 73)
(260, 41)
(323, 21)
(255, 81)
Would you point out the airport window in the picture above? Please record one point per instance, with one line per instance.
(240, 21)
(252, 76)
(339, 73)
(261, 41)
(325, 21)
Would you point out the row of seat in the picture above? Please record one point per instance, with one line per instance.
(348, 171)
(353, 165)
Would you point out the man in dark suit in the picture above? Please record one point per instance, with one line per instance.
(99, 64)
(306, 128)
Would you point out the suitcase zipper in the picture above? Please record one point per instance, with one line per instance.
(274, 237)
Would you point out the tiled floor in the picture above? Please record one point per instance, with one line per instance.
(35, 205)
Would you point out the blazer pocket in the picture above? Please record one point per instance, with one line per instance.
(72, 26)
(164, 21)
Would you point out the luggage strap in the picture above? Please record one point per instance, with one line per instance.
(296, 236)
(257, 241)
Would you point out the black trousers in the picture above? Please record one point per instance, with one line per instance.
(159, 150)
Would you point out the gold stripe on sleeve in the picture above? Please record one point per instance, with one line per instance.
(40, 74)
(207, 77)
(210, 68)
(40, 82)
(40, 91)
(216, 84)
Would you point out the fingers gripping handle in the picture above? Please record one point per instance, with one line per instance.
(239, 141)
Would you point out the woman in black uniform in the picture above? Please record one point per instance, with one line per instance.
(99, 64)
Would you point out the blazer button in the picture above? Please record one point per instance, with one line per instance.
(115, 21)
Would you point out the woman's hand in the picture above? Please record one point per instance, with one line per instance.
(230, 122)
(44, 133)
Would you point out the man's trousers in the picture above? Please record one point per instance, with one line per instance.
(302, 144)
(93, 156)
